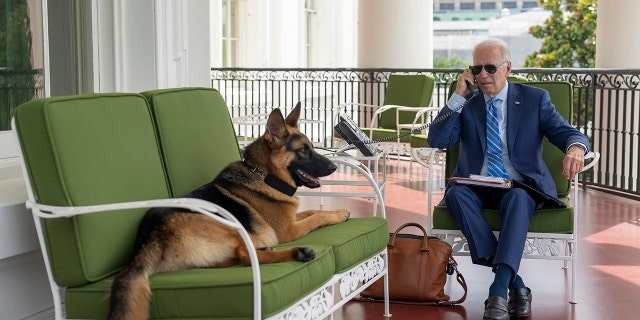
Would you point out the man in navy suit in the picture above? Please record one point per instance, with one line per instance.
(525, 115)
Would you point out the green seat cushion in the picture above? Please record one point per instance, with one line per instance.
(214, 293)
(353, 241)
(558, 220)
(196, 134)
(88, 150)
(419, 141)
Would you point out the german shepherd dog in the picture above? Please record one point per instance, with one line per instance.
(258, 191)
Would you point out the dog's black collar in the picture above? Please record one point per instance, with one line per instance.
(280, 185)
(273, 182)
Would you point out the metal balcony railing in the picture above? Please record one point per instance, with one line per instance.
(606, 106)
(17, 87)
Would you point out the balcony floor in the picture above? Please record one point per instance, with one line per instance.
(608, 274)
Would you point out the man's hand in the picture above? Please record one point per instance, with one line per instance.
(573, 161)
(461, 86)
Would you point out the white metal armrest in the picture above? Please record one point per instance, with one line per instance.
(378, 112)
(594, 157)
(419, 113)
(209, 209)
(424, 110)
(366, 172)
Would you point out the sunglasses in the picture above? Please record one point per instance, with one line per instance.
(490, 68)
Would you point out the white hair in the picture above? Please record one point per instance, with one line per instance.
(495, 42)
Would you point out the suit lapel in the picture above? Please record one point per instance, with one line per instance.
(514, 106)
(478, 110)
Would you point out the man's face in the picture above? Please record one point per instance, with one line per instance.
(489, 83)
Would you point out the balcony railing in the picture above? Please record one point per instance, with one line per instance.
(17, 87)
(606, 106)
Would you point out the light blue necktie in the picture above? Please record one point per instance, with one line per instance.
(495, 166)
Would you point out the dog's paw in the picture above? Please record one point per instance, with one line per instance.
(343, 213)
(304, 254)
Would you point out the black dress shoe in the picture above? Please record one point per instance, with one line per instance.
(519, 302)
(495, 308)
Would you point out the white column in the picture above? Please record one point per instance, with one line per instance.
(617, 46)
(150, 44)
(395, 34)
(617, 41)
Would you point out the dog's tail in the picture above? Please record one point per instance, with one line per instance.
(130, 291)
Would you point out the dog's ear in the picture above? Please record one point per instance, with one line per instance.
(294, 115)
(275, 124)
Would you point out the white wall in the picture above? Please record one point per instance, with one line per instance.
(336, 37)
(273, 34)
(138, 45)
(395, 34)
(270, 34)
(617, 22)
(17, 233)
(24, 288)
(147, 44)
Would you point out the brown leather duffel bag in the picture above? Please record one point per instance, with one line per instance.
(418, 268)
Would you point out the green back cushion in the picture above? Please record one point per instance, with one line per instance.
(562, 97)
(410, 90)
(89, 150)
(196, 135)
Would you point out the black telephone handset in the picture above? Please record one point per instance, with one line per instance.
(354, 136)
(474, 89)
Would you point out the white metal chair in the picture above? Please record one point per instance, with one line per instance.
(552, 232)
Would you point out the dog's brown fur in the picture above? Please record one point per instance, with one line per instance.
(171, 239)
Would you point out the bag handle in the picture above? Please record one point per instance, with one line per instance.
(452, 266)
(425, 243)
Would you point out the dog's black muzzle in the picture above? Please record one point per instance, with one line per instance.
(306, 172)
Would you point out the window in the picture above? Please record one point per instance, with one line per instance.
(488, 5)
(230, 40)
(529, 4)
(21, 57)
(509, 5)
(70, 55)
(467, 6)
(446, 6)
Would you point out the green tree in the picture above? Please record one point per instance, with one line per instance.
(15, 35)
(568, 35)
(452, 62)
(17, 77)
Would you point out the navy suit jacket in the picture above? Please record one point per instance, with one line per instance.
(530, 117)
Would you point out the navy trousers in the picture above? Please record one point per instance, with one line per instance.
(516, 206)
